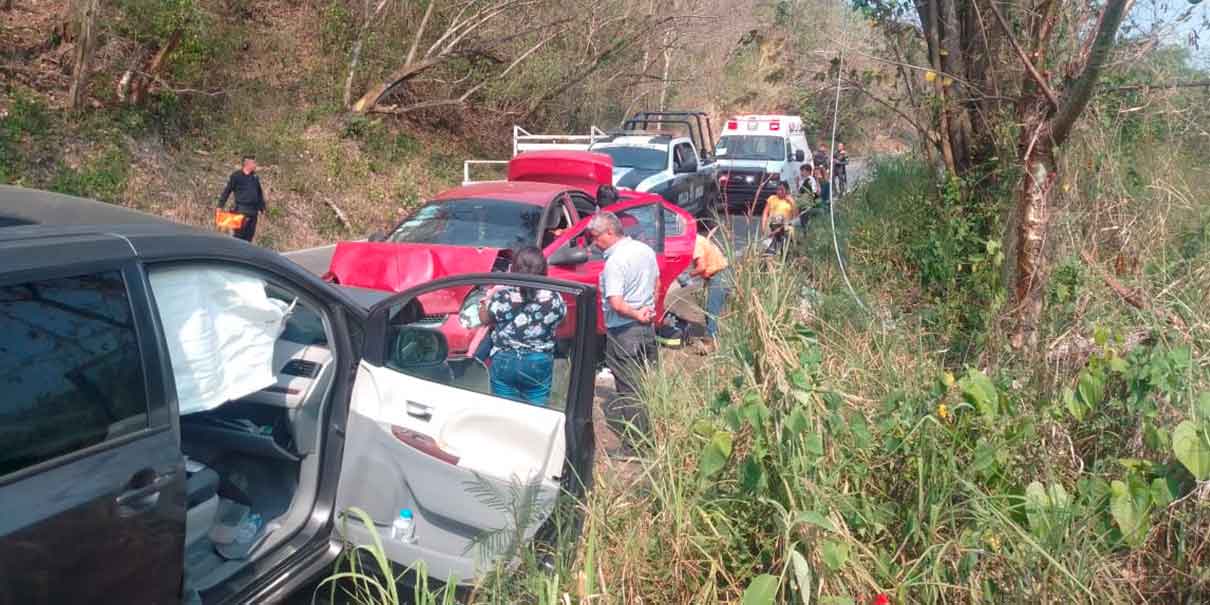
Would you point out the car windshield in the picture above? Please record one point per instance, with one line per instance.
(476, 222)
(641, 158)
(751, 147)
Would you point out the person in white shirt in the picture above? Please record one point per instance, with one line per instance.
(628, 289)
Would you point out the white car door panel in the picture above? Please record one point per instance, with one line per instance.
(440, 443)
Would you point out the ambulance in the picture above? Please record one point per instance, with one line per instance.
(754, 152)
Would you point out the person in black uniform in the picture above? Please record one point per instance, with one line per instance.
(249, 196)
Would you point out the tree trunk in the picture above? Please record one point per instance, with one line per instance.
(929, 16)
(1044, 129)
(953, 62)
(84, 46)
(141, 83)
(667, 69)
(1034, 208)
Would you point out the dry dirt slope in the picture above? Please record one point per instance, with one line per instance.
(275, 89)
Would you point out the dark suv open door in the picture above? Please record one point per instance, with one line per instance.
(92, 479)
(433, 432)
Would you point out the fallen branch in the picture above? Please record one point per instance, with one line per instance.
(1133, 298)
(1075, 349)
(180, 91)
(340, 215)
(1159, 86)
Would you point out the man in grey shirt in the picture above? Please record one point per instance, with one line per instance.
(628, 287)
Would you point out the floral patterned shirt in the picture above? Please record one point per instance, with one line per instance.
(525, 326)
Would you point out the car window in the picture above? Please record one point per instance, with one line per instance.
(474, 222)
(674, 225)
(654, 157)
(521, 352)
(558, 219)
(229, 331)
(684, 153)
(584, 205)
(70, 368)
(639, 223)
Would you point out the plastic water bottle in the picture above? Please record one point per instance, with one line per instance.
(404, 527)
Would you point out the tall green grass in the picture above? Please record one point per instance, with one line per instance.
(830, 454)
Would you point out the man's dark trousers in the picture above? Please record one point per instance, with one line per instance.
(628, 350)
(248, 229)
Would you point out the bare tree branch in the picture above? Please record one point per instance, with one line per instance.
(1029, 65)
(1076, 96)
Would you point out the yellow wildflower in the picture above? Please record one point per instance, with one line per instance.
(943, 411)
(993, 542)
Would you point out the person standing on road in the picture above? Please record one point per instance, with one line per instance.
(840, 169)
(249, 196)
(821, 155)
(628, 287)
(825, 186)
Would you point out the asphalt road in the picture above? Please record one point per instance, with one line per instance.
(315, 260)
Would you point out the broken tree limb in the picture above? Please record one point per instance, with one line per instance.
(1132, 297)
(135, 83)
(470, 91)
(340, 215)
(1043, 85)
(357, 46)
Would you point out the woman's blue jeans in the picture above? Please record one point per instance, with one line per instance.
(522, 375)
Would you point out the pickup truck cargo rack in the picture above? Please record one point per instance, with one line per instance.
(696, 122)
(524, 140)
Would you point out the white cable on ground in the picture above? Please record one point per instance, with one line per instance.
(832, 165)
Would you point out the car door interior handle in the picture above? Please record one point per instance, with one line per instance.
(419, 410)
(142, 491)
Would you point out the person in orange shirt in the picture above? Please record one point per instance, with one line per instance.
(710, 264)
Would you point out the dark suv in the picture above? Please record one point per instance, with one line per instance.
(186, 417)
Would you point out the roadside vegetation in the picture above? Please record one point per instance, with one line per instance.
(889, 444)
(895, 447)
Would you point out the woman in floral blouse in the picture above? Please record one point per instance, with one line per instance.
(524, 322)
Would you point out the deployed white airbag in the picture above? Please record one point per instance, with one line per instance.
(221, 328)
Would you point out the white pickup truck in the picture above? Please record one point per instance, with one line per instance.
(674, 166)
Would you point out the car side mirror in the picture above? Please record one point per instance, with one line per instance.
(567, 256)
(417, 347)
(687, 166)
(799, 156)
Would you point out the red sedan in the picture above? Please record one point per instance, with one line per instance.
(472, 229)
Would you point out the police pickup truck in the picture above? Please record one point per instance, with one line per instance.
(678, 167)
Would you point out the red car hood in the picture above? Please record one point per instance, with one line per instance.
(395, 267)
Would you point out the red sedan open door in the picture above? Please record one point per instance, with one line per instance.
(650, 219)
